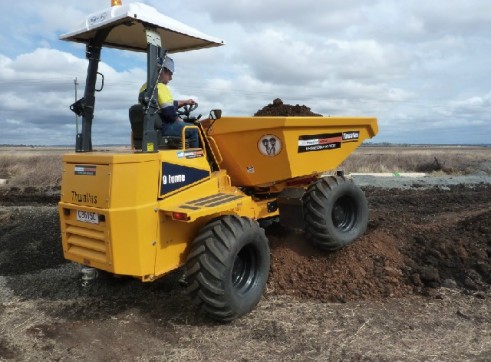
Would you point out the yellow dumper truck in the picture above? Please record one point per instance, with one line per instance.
(162, 205)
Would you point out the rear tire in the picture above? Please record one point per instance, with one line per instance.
(336, 212)
(228, 267)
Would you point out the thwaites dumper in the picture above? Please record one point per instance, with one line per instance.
(153, 209)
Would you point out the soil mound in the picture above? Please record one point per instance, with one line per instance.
(278, 108)
(417, 240)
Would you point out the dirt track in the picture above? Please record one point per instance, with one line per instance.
(415, 287)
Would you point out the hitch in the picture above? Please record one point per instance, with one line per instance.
(88, 275)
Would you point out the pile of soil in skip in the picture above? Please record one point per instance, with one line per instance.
(278, 108)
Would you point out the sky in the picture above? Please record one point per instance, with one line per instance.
(421, 67)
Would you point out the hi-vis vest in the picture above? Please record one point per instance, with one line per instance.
(166, 102)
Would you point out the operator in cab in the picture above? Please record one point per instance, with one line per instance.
(172, 125)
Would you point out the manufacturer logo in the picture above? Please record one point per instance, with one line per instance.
(351, 136)
(86, 198)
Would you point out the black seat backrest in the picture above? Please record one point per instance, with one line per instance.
(136, 116)
(136, 121)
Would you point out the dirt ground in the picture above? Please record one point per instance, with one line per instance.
(414, 287)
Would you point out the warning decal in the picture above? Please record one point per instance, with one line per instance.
(86, 170)
(328, 141)
(176, 176)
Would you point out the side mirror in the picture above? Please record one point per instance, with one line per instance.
(215, 114)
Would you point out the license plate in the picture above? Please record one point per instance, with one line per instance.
(87, 216)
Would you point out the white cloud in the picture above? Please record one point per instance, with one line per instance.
(326, 15)
(421, 67)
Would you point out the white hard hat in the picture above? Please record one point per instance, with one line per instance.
(169, 64)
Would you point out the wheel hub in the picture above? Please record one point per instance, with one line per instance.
(344, 213)
(244, 269)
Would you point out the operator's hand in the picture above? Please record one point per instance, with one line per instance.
(189, 102)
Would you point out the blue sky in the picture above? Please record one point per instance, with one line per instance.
(421, 67)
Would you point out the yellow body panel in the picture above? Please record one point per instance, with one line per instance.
(303, 145)
(134, 197)
(121, 188)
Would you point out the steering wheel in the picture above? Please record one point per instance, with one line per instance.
(186, 109)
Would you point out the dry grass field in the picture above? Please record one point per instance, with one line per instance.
(430, 159)
(41, 167)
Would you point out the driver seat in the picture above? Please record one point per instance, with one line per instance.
(136, 116)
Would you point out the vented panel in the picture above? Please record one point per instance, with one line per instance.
(87, 243)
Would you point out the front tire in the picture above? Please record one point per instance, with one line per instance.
(228, 267)
(336, 212)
